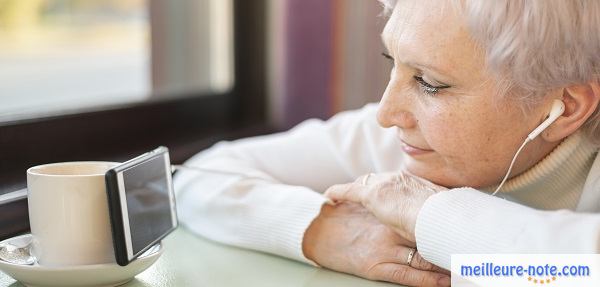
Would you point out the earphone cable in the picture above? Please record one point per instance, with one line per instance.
(511, 166)
(176, 167)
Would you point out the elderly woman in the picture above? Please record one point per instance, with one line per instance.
(470, 81)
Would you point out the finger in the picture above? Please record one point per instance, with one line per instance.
(406, 275)
(400, 255)
(345, 192)
(420, 263)
(406, 176)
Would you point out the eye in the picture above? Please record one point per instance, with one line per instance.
(387, 56)
(427, 87)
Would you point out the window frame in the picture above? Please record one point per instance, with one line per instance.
(185, 124)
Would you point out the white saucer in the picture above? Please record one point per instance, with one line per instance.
(105, 275)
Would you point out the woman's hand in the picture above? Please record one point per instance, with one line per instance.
(348, 238)
(394, 198)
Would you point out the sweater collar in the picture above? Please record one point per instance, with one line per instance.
(557, 181)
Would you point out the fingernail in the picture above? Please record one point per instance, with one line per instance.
(444, 281)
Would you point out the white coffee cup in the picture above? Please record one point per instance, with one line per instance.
(68, 213)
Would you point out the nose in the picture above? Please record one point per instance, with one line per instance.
(394, 109)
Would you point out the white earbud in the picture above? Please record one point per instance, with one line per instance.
(558, 108)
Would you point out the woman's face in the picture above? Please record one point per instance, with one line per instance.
(443, 103)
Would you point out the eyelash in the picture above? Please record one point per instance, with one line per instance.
(428, 88)
(425, 87)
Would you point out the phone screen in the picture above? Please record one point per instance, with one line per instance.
(147, 191)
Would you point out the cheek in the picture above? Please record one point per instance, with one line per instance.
(473, 147)
(461, 140)
(443, 128)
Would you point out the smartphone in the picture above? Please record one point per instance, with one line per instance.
(141, 202)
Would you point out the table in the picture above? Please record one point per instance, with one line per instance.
(190, 260)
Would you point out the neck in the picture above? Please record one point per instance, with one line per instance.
(557, 181)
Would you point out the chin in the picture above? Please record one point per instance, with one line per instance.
(443, 177)
(431, 174)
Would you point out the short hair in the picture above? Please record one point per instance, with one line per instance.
(537, 45)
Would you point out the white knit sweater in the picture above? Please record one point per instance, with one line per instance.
(271, 207)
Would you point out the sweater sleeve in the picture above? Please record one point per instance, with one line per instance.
(280, 193)
(467, 221)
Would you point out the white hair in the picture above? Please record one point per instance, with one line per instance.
(537, 45)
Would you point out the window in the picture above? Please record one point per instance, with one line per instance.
(61, 55)
(65, 56)
(196, 75)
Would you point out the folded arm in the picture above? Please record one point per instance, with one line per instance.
(271, 207)
(468, 221)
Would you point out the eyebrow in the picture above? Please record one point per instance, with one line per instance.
(430, 68)
(419, 66)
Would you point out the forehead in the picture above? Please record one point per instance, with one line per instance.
(432, 33)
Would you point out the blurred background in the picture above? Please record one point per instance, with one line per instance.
(110, 79)
(65, 56)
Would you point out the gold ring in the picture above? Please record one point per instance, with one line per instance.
(366, 179)
(411, 254)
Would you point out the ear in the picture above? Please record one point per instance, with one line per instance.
(580, 103)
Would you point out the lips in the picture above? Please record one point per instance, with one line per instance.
(413, 150)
